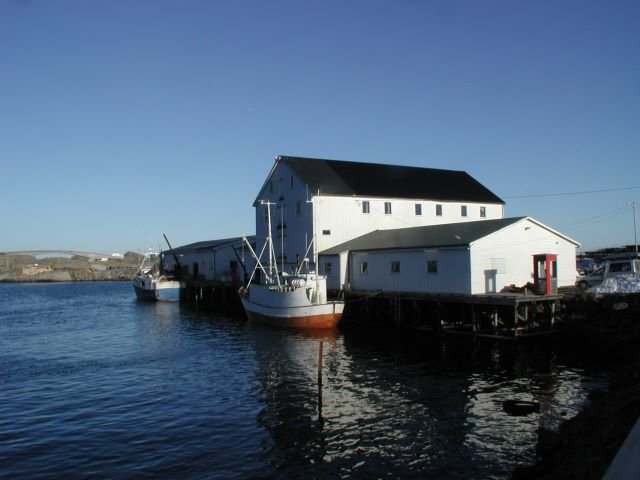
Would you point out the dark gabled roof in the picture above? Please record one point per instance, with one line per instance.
(433, 236)
(210, 245)
(335, 177)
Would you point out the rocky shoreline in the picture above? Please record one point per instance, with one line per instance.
(26, 268)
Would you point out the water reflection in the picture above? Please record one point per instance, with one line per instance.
(406, 407)
(96, 384)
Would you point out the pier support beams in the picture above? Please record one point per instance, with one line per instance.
(213, 296)
(497, 315)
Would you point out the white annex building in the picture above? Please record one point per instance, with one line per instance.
(396, 228)
(467, 258)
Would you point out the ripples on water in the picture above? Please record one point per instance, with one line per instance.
(95, 384)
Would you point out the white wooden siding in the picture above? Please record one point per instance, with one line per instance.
(452, 276)
(333, 278)
(516, 245)
(343, 217)
(491, 263)
(299, 228)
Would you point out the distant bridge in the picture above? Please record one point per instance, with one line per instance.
(53, 253)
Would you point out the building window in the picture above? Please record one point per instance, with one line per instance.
(463, 210)
(271, 186)
(326, 232)
(364, 268)
(432, 266)
(298, 208)
(365, 207)
(387, 208)
(483, 212)
(291, 182)
(327, 267)
(395, 266)
(438, 210)
(418, 209)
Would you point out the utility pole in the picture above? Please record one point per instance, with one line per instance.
(635, 235)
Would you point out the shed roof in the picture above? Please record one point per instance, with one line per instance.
(210, 245)
(432, 236)
(342, 178)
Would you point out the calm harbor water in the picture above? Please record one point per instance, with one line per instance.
(96, 385)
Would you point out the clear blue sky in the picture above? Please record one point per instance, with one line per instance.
(124, 119)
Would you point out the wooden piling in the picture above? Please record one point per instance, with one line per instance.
(503, 315)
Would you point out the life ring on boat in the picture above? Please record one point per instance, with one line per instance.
(520, 407)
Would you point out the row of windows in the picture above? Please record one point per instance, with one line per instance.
(387, 205)
(366, 208)
(431, 267)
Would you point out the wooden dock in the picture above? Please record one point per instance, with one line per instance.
(220, 297)
(498, 315)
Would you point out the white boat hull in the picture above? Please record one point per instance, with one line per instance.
(289, 307)
(149, 289)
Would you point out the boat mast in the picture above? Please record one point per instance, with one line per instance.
(177, 271)
(315, 248)
(272, 265)
(282, 235)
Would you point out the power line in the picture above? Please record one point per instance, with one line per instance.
(596, 218)
(572, 193)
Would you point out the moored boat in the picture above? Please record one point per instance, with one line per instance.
(295, 302)
(298, 300)
(152, 284)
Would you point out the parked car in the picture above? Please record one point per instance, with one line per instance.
(622, 267)
(613, 267)
(594, 278)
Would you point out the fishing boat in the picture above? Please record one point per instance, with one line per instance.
(297, 300)
(152, 283)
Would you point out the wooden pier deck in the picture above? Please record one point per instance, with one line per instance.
(498, 315)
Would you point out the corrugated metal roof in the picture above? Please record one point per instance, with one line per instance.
(336, 177)
(432, 236)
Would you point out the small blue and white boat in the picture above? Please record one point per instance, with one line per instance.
(152, 284)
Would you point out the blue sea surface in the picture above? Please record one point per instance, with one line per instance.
(94, 384)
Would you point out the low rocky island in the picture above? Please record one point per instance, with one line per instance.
(76, 268)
